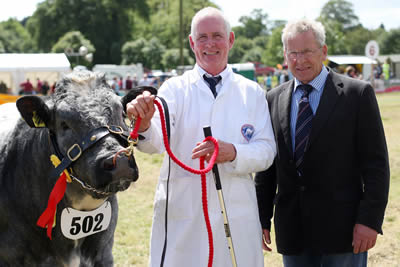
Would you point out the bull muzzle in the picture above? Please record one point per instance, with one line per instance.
(123, 170)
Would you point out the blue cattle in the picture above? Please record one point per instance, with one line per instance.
(82, 126)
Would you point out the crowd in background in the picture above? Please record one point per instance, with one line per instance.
(381, 72)
(41, 87)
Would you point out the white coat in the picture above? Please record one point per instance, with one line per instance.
(238, 115)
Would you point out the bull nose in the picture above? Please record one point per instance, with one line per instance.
(121, 167)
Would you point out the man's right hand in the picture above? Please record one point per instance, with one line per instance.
(142, 106)
(266, 240)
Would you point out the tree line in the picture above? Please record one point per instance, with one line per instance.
(147, 32)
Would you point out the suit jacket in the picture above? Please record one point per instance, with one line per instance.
(346, 170)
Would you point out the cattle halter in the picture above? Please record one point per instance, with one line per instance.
(73, 153)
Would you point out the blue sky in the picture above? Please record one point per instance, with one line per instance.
(370, 12)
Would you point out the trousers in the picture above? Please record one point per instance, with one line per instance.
(307, 259)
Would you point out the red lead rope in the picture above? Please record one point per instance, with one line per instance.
(134, 135)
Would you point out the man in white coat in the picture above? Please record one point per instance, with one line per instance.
(240, 121)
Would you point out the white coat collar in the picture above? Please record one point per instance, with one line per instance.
(198, 72)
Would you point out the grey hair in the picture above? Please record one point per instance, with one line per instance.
(208, 12)
(293, 28)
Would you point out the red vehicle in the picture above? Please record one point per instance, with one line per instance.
(261, 69)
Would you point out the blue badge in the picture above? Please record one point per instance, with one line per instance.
(247, 131)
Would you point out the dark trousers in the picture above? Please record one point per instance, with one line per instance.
(307, 259)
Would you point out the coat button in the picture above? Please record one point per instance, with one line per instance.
(302, 188)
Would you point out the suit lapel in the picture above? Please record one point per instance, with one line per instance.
(326, 105)
(284, 106)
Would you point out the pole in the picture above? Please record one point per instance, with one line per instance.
(217, 180)
(181, 61)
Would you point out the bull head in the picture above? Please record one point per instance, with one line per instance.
(84, 105)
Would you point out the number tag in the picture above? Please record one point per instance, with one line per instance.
(76, 224)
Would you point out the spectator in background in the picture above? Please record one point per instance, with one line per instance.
(53, 87)
(121, 83)
(27, 88)
(128, 83)
(115, 85)
(145, 81)
(378, 71)
(3, 88)
(351, 72)
(38, 85)
(134, 81)
(45, 88)
(386, 70)
(268, 81)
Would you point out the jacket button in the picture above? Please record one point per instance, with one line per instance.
(302, 188)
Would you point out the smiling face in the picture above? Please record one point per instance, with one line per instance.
(310, 56)
(211, 44)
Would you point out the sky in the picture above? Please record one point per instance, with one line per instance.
(371, 13)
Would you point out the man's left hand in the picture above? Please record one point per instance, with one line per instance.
(364, 238)
(227, 151)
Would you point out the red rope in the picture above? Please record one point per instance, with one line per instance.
(134, 135)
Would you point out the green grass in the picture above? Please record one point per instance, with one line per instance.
(131, 246)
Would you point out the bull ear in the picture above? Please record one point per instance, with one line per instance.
(34, 111)
(134, 92)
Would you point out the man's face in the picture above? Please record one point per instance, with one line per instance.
(305, 57)
(211, 44)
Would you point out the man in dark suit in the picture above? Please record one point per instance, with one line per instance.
(330, 179)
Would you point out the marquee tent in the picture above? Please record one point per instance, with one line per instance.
(16, 68)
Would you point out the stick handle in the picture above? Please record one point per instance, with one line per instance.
(217, 179)
(207, 132)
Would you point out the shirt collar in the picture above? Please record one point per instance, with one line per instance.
(318, 83)
(223, 74)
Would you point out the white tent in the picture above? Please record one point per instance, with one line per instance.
(366, 63)
(16, 68)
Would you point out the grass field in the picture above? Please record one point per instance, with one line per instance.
(132, 236)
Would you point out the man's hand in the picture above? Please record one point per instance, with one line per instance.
(364, 238)
(143, 106)
(227, 151)
(266, 240)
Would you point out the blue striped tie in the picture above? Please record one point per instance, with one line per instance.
(212, 82)
(303, 125)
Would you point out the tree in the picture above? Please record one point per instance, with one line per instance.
(273, 55)
(254, 25)
(149, 53)
(340, 11)
(132, 52)
(391, 42)
(253, 55)
(14, 37)
(165, 21)
(239, 49)
(171, 58)
(107, 23)
(335, 38)
(153, 53)
(357, 39)
(71, 42)
(2, 49)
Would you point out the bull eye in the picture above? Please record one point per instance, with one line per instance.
(64, 126)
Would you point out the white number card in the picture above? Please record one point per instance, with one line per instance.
(76, 224)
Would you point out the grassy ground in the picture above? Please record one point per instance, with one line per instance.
(131, 247)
